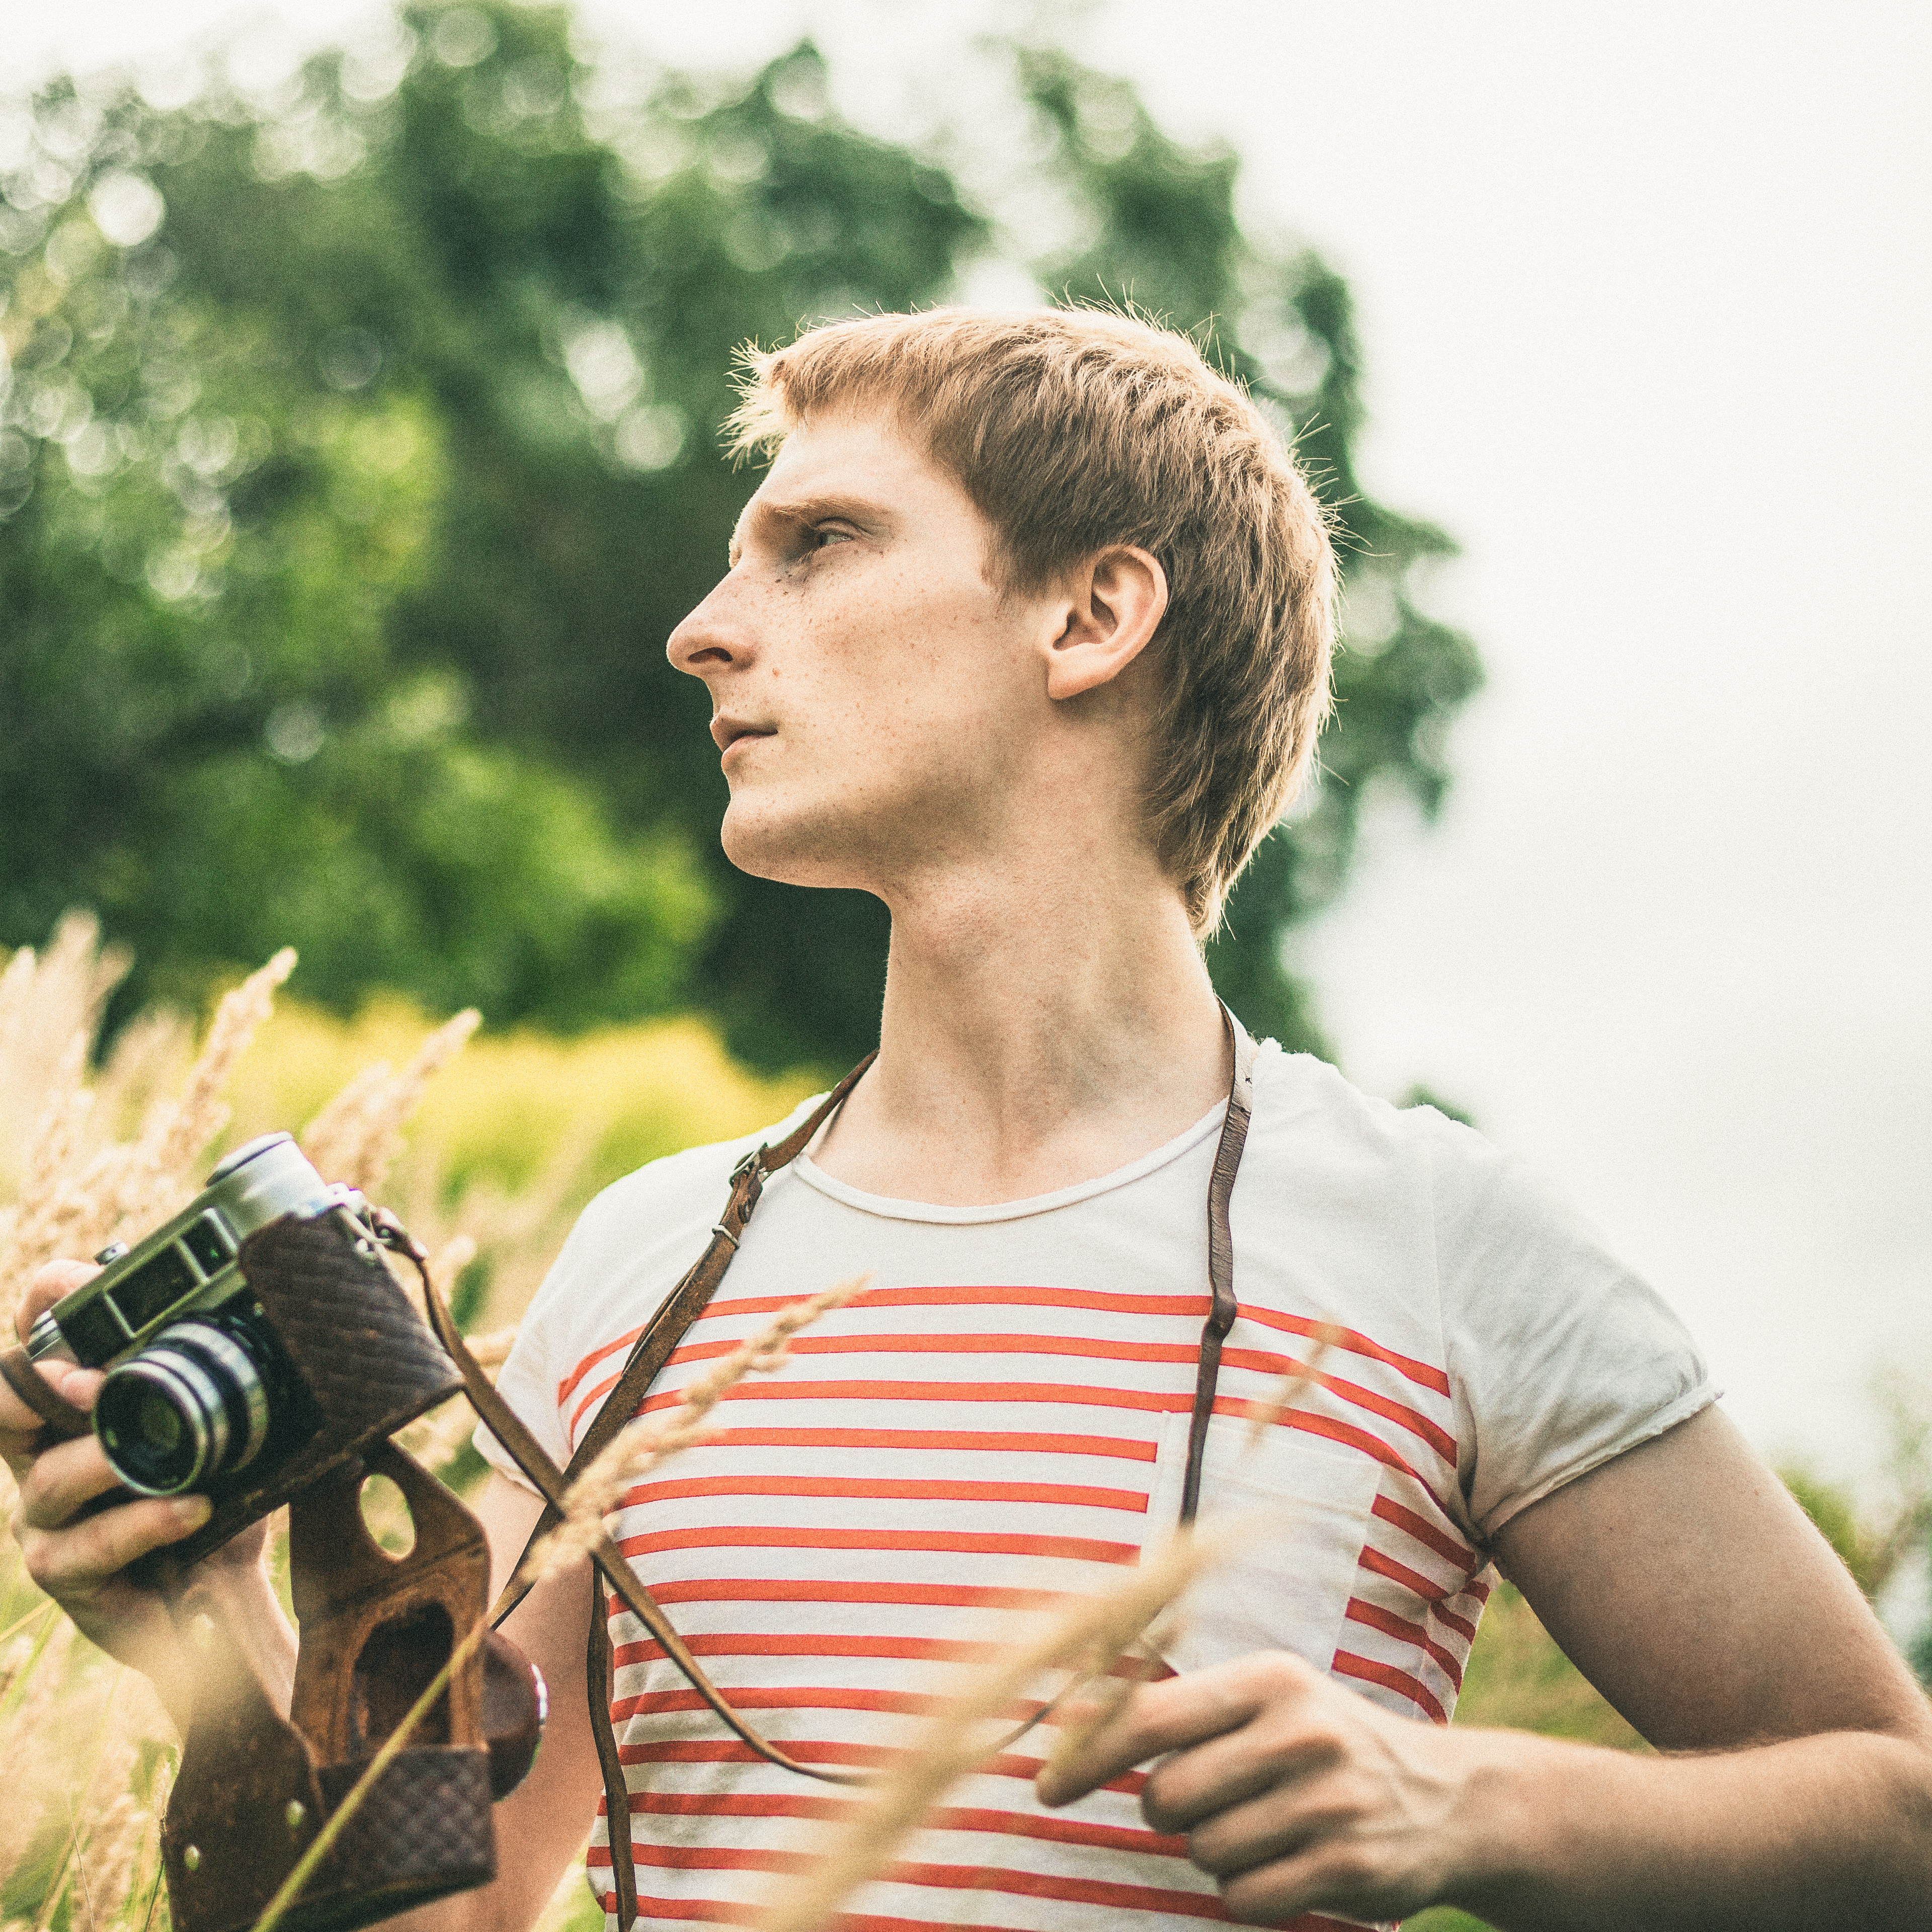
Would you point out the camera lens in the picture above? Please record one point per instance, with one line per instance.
(190, 1406)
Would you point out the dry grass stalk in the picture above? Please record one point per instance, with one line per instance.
(961, 1734)
(1110, 1643)
(73, 1199)
(640, 1447)
(355, 1138)
(179, 1131)
(32, 1747)
(108, 1840)
(1299, 1377)
(46, 999)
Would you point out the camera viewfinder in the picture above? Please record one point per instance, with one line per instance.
(207, 1240)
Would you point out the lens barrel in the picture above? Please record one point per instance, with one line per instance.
(191, 1406)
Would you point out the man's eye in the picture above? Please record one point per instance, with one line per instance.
(823, 535)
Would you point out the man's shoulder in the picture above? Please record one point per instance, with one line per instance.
(631, 1243)
(677, 1188)
(1306, 1110)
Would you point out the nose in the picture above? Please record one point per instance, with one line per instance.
(709, 640)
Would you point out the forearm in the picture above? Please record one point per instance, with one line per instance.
(1833, 1832)
(241, 1599)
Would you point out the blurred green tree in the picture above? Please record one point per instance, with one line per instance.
(358, 454)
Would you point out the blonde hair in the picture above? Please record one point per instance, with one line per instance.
(1074, 429)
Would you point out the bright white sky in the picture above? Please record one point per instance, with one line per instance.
(1645, 294)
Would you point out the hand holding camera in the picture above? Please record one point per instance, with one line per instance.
(79, 1532)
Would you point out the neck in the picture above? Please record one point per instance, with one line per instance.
(1044, 1023)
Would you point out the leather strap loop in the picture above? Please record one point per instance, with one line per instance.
(64, 1422)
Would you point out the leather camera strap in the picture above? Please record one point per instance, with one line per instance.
(1222, 1305)
(653, 1348)
(61, 1421)
(668, 1327)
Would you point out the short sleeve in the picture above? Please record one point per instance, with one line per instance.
(1560, 1358)
(527, 1380)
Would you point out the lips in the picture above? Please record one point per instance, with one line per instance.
(727, 731)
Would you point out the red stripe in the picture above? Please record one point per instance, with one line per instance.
(814, 1697)
(1335, 1430)
(1424, 1373)
(937, 1650)
(1464, 1558)
(694, 1750)
(1390, 1624)
(805, 1590)
(1461, 1626)
(964, 1878)
(1315, 1424)
(717, 1911)
(961, 1542)
(1077, 1393)
(918, 1490)
(1439, 1438)
(1096, 1347)
(1347, 1665)
(590, 1361)
(947, 1818)
(1372, 1559)
(981, 1296)
(1091, 1349)
(1133, 1448)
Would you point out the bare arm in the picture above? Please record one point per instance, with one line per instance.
(1688, 1585)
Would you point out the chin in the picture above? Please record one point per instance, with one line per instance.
(790, 849)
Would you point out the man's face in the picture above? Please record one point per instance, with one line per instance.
(878, 704)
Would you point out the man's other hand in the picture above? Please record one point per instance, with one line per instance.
(1294, 1793)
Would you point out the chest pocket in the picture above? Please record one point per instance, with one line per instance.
(1302, 1504)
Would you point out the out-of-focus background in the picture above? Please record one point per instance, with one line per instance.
(361, 374)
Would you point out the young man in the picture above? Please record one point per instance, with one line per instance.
(1026, 631)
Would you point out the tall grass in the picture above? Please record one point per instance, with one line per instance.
(488, 1149)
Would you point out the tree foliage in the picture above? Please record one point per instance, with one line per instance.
(357, 454)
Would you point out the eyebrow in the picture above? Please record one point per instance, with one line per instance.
(799, 511)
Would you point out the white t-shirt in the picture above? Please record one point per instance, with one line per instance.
(1003, 1416)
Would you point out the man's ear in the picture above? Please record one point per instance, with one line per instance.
(1115, 602)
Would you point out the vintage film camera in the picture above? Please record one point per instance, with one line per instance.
(198, 1387)
(258, 1351)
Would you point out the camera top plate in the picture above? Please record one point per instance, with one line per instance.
(188, 1263)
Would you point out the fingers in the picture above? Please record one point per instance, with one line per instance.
(1278, 1749)
(1270, 1825)
(1171, 1716)
(61, 1480)
(49, 1283)
(18, 1425)
(75, 1563)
